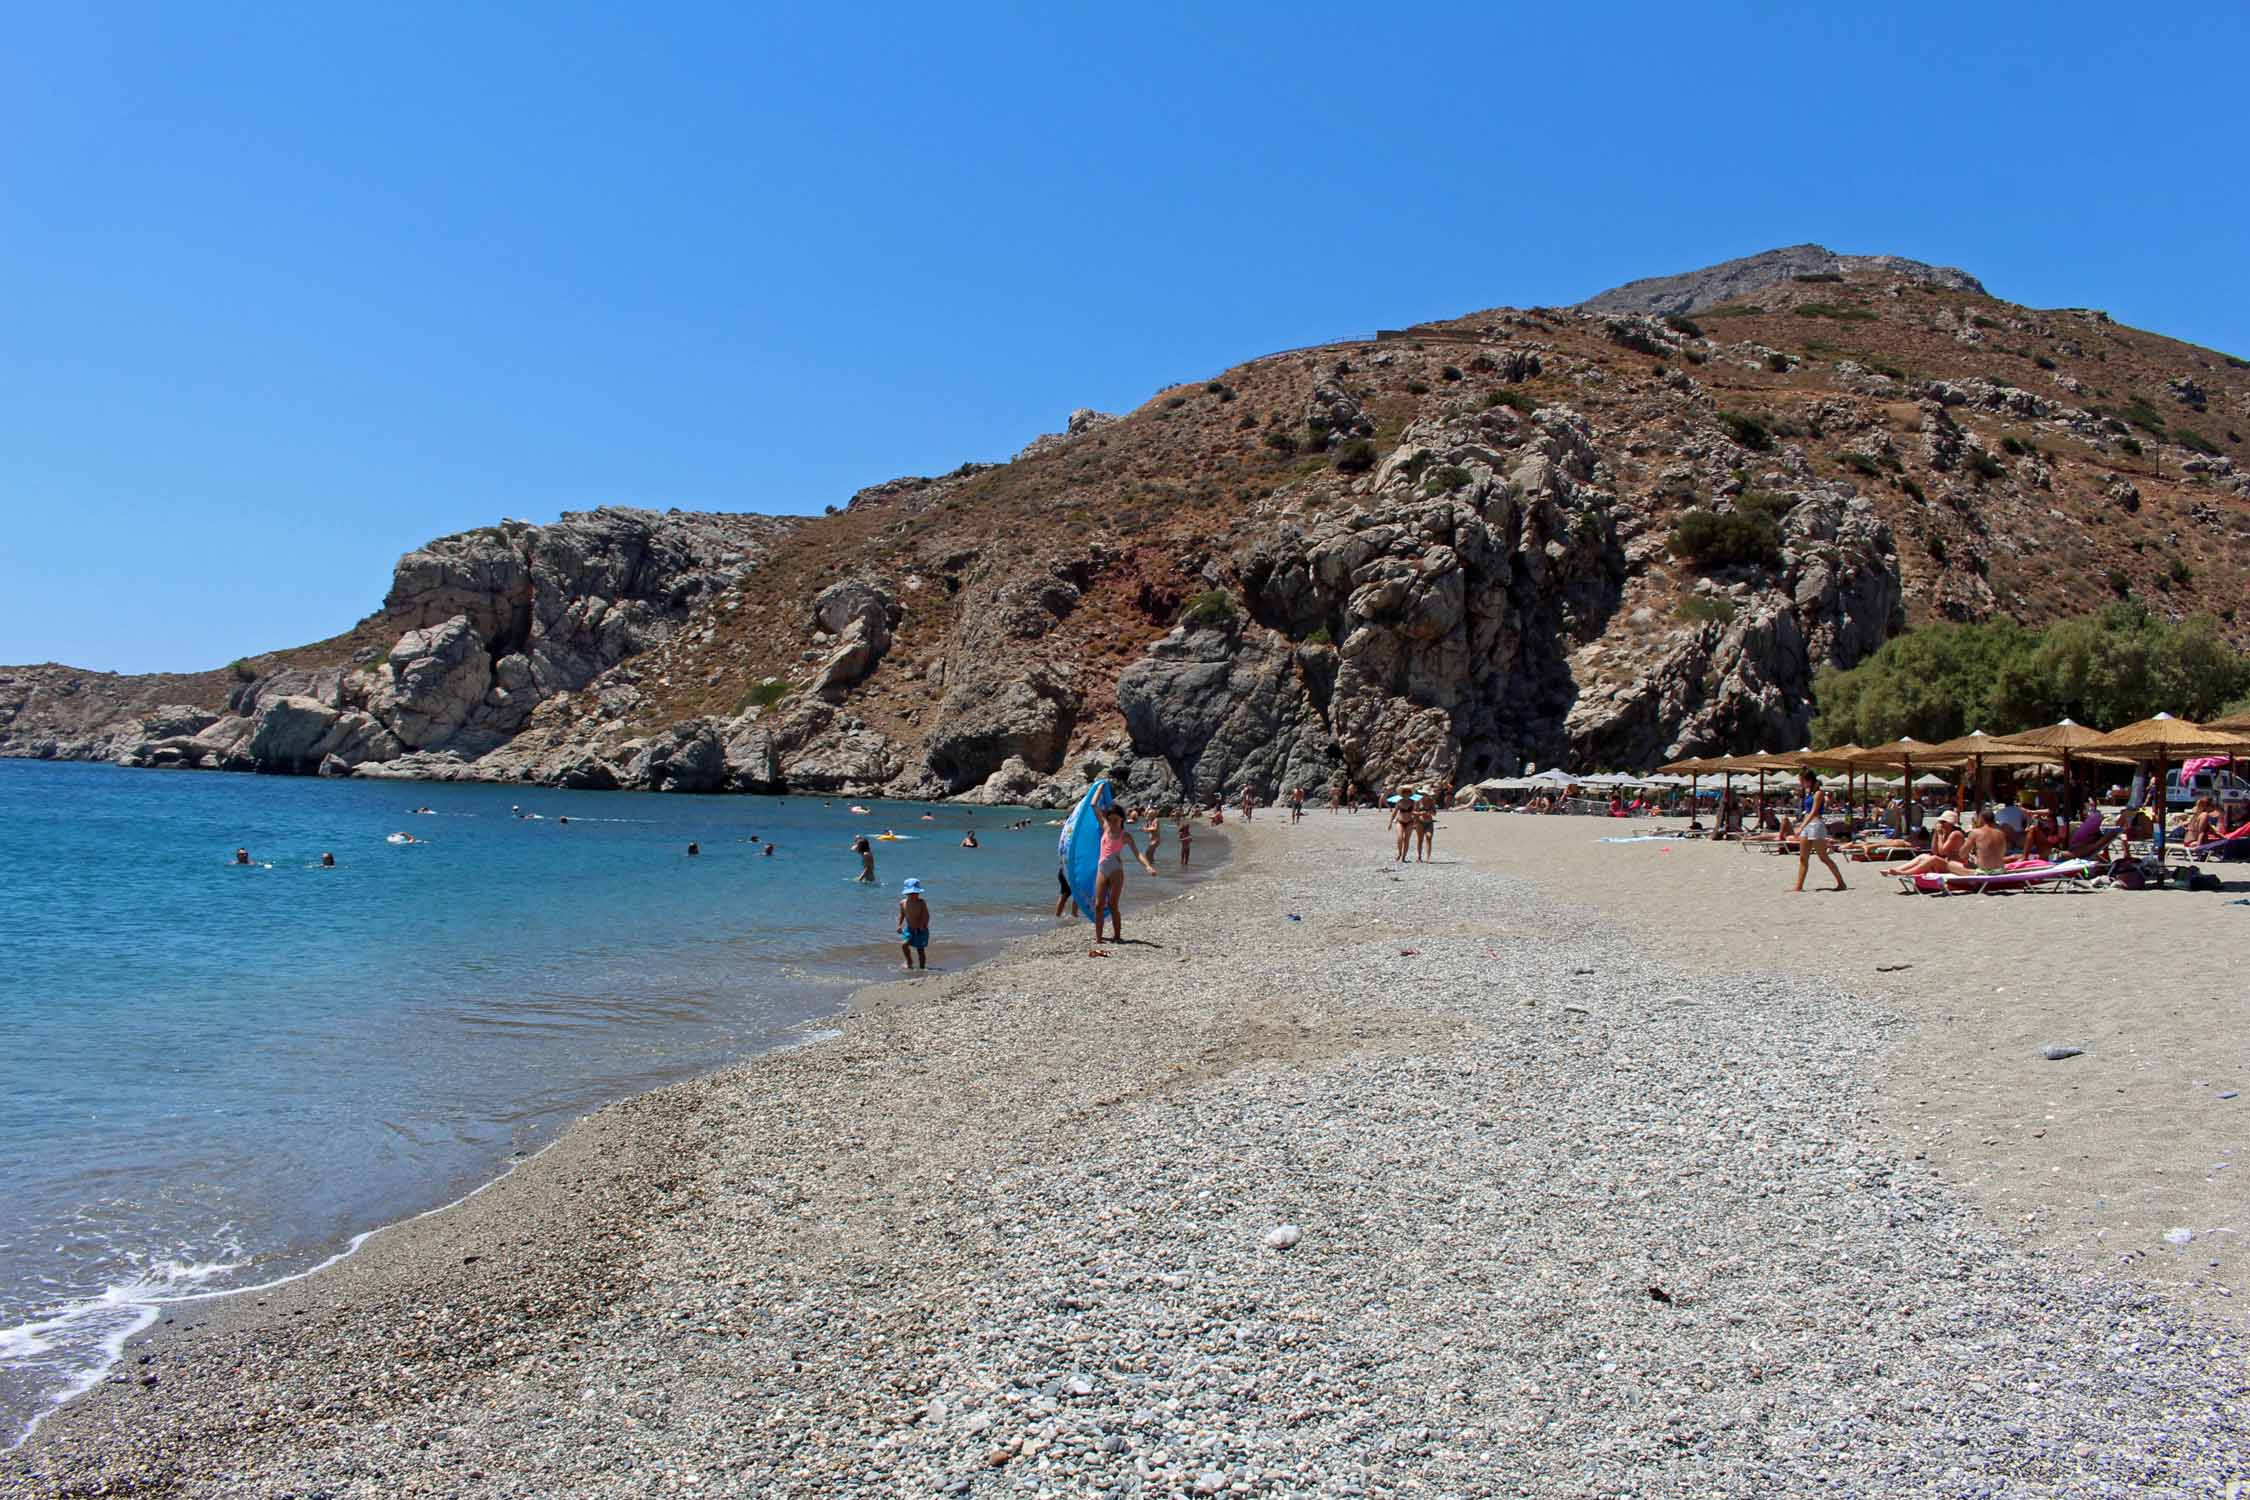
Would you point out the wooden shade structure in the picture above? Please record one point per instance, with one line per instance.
(2157, 743)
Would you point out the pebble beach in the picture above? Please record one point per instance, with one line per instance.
(1338, 1178)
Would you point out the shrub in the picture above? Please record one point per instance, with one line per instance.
(1880, 368)
(1282, 441)
(1706, 609)
(1212, 609)
(1985, 466)
(766, 694)
(1860, 463)
(1484, 364)
(2131, 445)
(241, 670)
(1417, 387)
(1907, 484)
(1765, 503)
(1509, 396)
(1682, 325)
(2194, 441)
(1174, 403)
(1708, 538)
(2043, 362)
(1248, 423)
(1981, 321)
(1735, 310)
(1356, 456)
(1450, 372)
(1835, 312)
(1444, 479)
(2234, 363)
(2014, 446)
(1746, 430)
(1778, 362)
(1320, 636)
(1934, 544)
(2119, 584)
(2181, 573)
(1818, 276)
(1222, 390)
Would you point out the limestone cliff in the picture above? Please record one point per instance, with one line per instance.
(1613, 534)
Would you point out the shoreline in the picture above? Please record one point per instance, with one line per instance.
(1012, 1233)
(223, 1309)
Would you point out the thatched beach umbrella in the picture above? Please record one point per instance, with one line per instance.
(2157, 742)
(1836, 758)
(2064, 741)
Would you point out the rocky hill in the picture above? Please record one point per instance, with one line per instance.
(1525, 534)
(1733, 280)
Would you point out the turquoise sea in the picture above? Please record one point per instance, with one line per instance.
(215, 1076)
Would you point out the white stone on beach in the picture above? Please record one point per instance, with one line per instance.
(1282, 1236)
(2180, 1236)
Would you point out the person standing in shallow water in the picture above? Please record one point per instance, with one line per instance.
(913, 927)
(1187, 836)
(866, 853)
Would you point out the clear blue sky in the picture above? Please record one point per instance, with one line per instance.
(287, 290)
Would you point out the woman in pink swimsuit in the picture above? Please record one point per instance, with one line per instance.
(1109, 875)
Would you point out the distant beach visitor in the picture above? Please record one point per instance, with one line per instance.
(242, 856)
(1812, 829)
(969, 839)
(1187, 837)
(913, 927)
(1109, 875)
(866, 853)
(1248, 802)
(694, 849)
(1154, 828)
(327, 860)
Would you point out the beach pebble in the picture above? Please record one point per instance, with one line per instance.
(2227, 1093)
(1282, 1236)
(2057, 1054)
(2180, 1236)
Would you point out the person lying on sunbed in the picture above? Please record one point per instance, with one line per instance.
(1885, 847)
(1981, 852)
(2088, 838)
(2043, 837)
(2220, 836)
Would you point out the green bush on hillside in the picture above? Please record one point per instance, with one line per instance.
(1835, 312)
(1356, 456)
(1747, 430)
(1212, 609)
(1711, 539)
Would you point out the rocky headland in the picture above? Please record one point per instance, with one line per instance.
(1619, 532)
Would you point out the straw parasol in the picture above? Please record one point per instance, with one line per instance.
(1835, 758)
(2157, 742)
(2239, 723)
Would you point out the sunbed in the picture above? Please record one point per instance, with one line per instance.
(2020, 876)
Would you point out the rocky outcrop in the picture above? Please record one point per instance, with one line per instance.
(1226, 707)
(437, 678)
(990, 720)
(852, 620)
(1733, 280)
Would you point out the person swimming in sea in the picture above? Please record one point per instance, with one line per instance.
(242, 856)
(969, 839)
(694, 849)
(327, 860)
(769, 851)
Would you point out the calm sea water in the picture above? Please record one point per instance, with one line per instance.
(215, 1076)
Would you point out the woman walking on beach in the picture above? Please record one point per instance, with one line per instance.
(1425, 829)
(1109, 876)
(1402, 819)
(1812, 829)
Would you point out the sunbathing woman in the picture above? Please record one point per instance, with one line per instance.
(1945, 853)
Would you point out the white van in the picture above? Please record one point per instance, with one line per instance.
(2232, 790)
